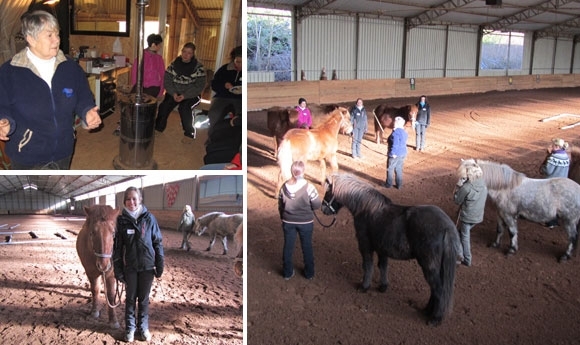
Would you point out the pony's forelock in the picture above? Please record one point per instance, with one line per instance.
(358, 196)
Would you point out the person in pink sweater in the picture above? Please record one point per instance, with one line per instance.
(154, 70)
(304, 115)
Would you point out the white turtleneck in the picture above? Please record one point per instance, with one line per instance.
(135, 214)
(44, 67)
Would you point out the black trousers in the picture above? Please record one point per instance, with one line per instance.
(137, 289)
(184, 109)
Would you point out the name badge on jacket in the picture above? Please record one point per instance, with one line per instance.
(130, 231)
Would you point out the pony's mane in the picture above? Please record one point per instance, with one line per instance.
(358, 196)
(500, 176)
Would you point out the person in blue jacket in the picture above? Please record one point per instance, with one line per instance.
(397, 152)
(137, 258)
(41, 90)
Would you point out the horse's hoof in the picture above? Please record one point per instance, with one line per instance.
(511, 251)
(115, 325)
(95, 314)
(363, 288)
(494, 245)
(434, 322)
(383, 287)
(564, 258)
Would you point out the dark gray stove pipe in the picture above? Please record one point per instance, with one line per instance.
(137, 135)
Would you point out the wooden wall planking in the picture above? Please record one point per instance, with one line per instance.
(266, 95)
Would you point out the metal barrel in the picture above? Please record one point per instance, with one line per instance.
(137, 133)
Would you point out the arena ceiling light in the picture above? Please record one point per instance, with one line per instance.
(29, 186)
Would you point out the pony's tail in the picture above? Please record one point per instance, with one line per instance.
(451, 252)
(285, 159)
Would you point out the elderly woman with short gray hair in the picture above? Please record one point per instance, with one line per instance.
(41, 90)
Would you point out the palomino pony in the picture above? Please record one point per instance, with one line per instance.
(223, 225)
(424, 233)
(280, 120)
(95, 248)
(537, 200)
(318, 144)
(385, 117)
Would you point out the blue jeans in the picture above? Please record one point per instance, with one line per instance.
(304, 231)
(395, 167)
(464, 234)
(420, 130)
(137, 288)
(357, 136)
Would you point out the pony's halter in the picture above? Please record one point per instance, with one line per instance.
(328, 204)
(100, 255)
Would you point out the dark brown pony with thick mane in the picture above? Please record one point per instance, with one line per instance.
(386, 115)
(281, 119)
(318, 144)
(574, 172)
(95, 249)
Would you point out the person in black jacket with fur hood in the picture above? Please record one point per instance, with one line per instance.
(137, 258)
(297, 201)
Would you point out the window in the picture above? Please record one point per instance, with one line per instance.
(502, 51)
(269, 45)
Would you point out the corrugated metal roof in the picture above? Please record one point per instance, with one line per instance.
(556, 18)
(64, 186)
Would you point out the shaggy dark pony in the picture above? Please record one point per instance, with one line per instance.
(424, 233)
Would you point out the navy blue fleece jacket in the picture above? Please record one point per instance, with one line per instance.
(41, 118)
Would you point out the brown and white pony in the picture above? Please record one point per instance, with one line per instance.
(317, 144)
(95, 249)
(384, 117)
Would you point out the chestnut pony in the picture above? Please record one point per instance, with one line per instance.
(95, 249)
(386, 115)
(317, 144)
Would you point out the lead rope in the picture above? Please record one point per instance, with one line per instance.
(117, 298)
(328, 204)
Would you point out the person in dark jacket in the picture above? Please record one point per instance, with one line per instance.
(397, 152)
(41, 90)
(297, 201)
(471, 194)
(184, 81)
(137, 258)
(422, 122)
(227, 85)
(358, 118)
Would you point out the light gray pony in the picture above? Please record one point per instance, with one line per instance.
(202, 223)
(223, 225)
(537, 200)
